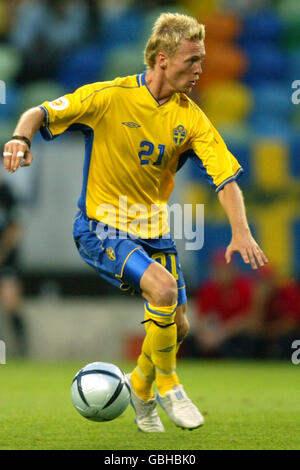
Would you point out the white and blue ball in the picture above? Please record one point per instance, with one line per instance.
(100, 391)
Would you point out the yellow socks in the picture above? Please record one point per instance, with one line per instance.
(143, 376)
(165, 383)
(158, 357)
(141, 387)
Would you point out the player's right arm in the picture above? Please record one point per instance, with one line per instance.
(84, 107)
(17, 152)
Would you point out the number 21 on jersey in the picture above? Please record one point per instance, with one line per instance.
(148, 148)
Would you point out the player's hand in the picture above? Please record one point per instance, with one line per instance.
(248, 248)
(16, 153)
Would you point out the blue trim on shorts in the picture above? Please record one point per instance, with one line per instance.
(119, 258)
(135, 267)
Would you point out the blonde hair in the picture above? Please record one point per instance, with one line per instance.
(168, 30)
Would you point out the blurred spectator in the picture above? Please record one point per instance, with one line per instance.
(277, 306)
(225, 324)
(242, 317)
(46, 30)
(10, 284)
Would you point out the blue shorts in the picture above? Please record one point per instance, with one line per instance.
(121, 259)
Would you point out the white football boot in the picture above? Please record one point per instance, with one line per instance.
(147, 418)
(180, 409)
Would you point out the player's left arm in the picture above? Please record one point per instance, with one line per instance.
(231, 198)
(222, 169)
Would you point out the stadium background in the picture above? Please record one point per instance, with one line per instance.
(253, 58)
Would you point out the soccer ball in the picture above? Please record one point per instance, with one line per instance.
(100, 391)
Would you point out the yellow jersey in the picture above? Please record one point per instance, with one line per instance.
(133, 146)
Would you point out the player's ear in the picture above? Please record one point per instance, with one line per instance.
(162, 60)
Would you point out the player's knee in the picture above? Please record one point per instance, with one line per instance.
(166, 293)
(158, 286)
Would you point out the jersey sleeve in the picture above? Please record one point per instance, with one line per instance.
(210, 153)
(73, 111)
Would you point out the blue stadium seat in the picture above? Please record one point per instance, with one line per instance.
(266, 62)
(274, 99)
(264, 25)
(293, 71)
(122, 29)
(267, 126)
(82, 66)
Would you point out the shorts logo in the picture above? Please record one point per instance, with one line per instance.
(179, 134)
(59, 104)
(110, 254)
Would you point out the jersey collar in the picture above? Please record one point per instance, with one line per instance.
(141, 80)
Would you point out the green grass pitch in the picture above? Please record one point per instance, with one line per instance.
(247, 405)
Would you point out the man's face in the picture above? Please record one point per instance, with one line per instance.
(184, 68)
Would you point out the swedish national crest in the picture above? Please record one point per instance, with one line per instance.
(179, 134)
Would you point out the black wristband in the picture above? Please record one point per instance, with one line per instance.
(20, 137)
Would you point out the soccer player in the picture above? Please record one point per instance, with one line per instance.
(135, 129)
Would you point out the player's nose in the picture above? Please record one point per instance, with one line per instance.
(198, 70)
